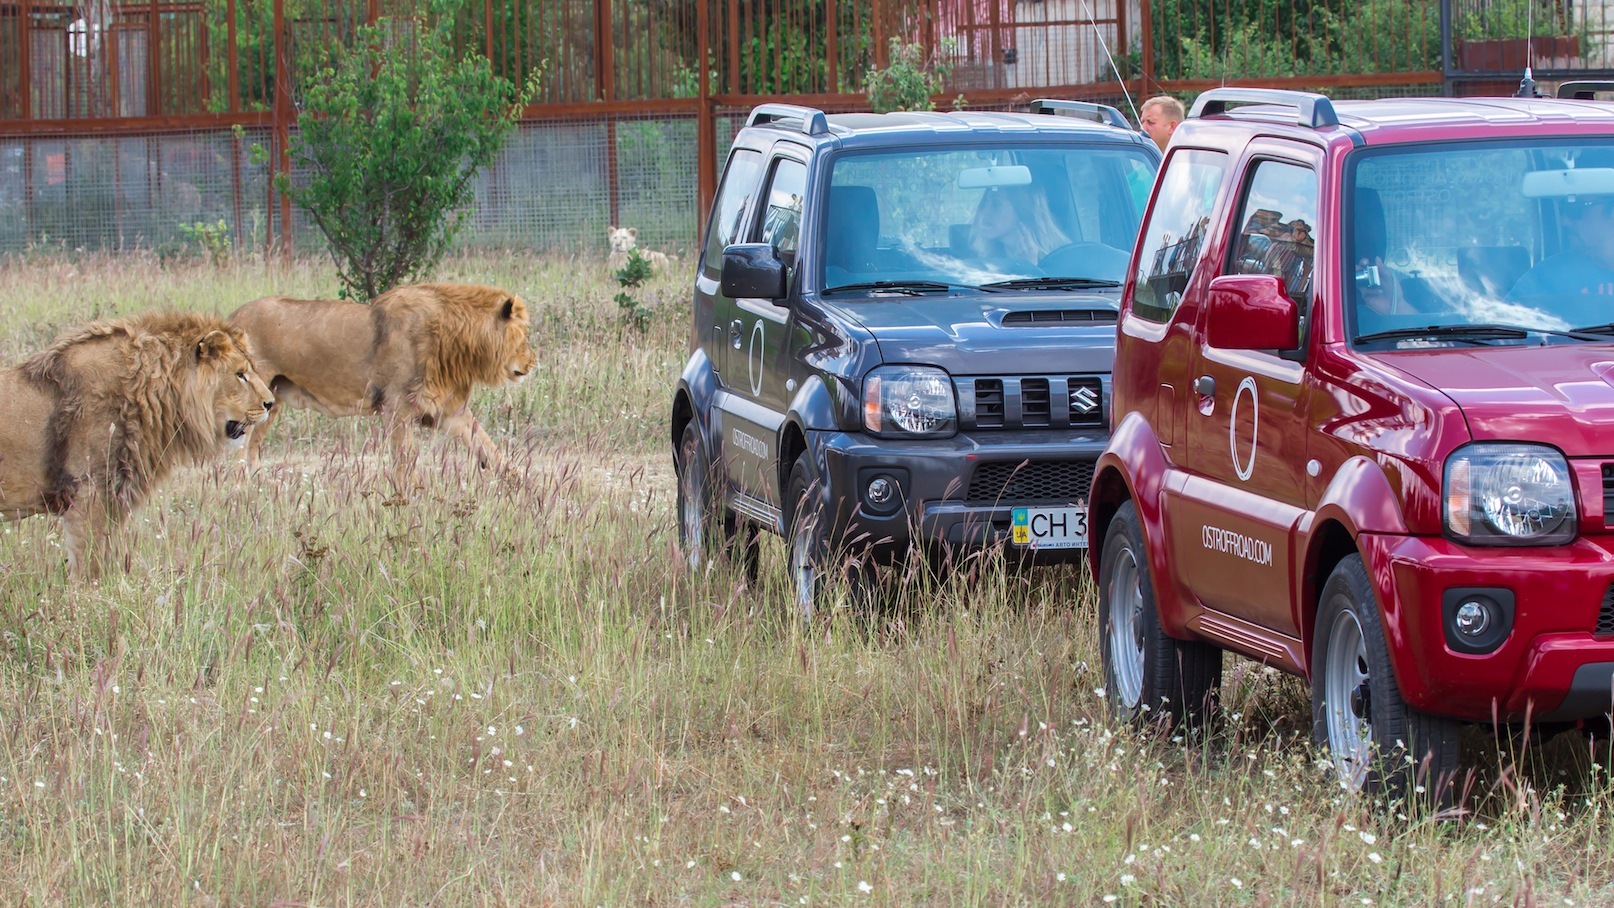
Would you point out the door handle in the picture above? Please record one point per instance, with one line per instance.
(736, 330)
(1205, 386)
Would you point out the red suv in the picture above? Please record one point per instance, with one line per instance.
(1364, 422)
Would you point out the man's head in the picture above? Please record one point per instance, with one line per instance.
(1159, 117)
(1592, 220)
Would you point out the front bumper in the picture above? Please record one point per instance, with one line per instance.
(1553, 665)
(958, 492)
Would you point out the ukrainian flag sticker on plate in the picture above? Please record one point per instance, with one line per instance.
(1022, 527)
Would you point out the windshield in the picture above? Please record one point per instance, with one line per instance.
(983, 215)
(1515, 235)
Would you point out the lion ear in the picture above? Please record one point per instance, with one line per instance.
(214, 345)
(633, 232)
(509, 309)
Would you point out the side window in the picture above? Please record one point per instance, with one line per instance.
(728, 211)
(781, 223)
(1278, 228)
(1176, 230)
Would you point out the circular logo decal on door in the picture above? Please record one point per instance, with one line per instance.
(1244, 466)
(753, 357)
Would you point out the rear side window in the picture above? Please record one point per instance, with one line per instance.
(728, 211)
(1278, 225)
(1176, 230)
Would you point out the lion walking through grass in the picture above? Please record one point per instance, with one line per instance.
(412, 356)
(93, 423)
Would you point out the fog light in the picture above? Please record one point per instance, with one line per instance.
(881, 491)
(1477, 619)
(1473, 618)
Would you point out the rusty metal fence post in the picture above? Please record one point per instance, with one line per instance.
(705, 119)
(282, 127)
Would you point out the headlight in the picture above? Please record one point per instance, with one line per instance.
(909, 400)
(1509, 494)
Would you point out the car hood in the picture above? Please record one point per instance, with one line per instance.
(1007, 333)
(1561, 395)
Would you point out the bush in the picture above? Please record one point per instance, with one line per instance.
(390, 137)
(909, 81)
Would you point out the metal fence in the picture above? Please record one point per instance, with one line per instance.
(116, 118)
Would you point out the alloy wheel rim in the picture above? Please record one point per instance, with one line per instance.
(802, 571)
(1349, 722)
(693, 518)
(1125, 595)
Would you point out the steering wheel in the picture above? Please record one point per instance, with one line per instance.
(1095, 260)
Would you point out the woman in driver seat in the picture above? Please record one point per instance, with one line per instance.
(1014, 223)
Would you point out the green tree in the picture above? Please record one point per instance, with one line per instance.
(910, 79)
(389, 138)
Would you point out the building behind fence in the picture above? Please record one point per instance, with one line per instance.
(133, 125)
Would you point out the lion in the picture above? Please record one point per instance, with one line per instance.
(624, 240)
(93, 423)
(412, 355)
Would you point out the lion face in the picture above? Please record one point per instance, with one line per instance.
(520, 358)
(240, 397)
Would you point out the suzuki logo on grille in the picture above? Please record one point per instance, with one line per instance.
(1084, 400)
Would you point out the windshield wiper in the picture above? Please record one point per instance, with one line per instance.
(1600, 331)
(1476, 334)
(911, 288)
(1052, 283)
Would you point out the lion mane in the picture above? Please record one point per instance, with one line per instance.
(413, 355)
(95, 421)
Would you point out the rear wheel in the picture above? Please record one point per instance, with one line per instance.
(1378, 744)
(707, 531)
(1148, 674)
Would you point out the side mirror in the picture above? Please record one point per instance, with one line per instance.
(1251, 312)
(752, 270)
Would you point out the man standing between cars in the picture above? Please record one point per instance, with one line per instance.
(1160, 117)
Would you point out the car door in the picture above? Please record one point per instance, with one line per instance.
(1243, 444)
(755, 373)
(713, 310)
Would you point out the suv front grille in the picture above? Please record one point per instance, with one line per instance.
(1065, 481)
(1608, 494)
(1605, 616)
(1031, 402)
(988, 403)
(1035, 409)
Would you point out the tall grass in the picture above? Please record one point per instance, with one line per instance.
(302, 690)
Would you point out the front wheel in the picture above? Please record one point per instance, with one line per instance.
(706, 530)
(1147, 673)
(1377, 743)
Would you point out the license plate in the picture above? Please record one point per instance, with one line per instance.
(1050, 528)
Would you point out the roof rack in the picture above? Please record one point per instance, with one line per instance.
(812, 119)
(1311, 109)
(1085, 110)
(1583, 89)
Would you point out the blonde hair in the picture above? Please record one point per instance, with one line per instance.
(1168, 105)
(1034, 233)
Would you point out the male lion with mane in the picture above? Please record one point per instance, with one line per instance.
(412, 355)
(95, 421)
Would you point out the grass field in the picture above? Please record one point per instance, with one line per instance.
(299, 690)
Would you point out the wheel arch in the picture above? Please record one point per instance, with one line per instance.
(1330, 543)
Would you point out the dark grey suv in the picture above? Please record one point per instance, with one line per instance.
(903, 331)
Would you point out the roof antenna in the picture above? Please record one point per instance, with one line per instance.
(1113, 67)
(1527, 85)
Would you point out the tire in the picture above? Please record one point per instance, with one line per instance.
(807, 540)
(1148, 675)
(707, 532)
(1357, 713)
